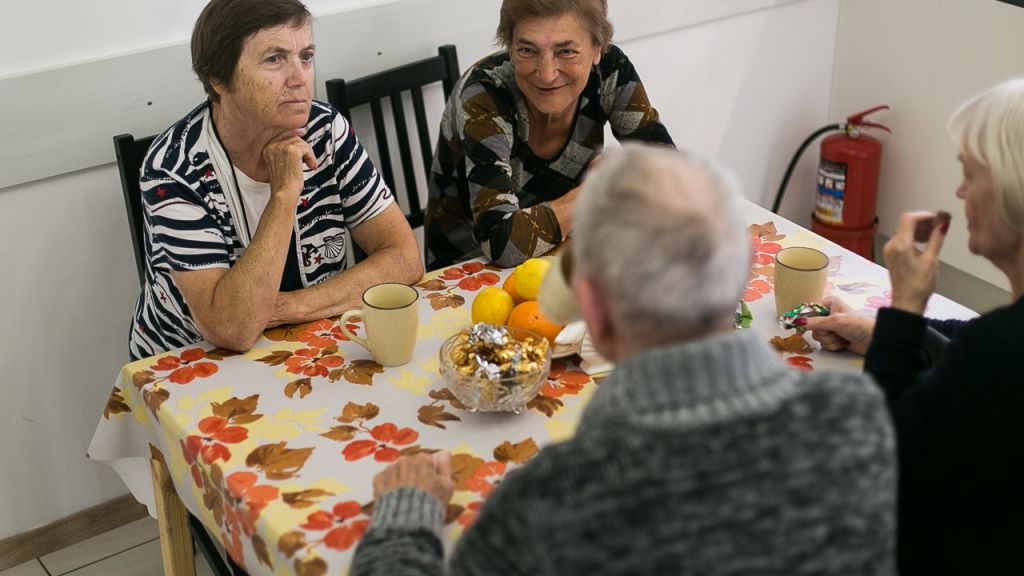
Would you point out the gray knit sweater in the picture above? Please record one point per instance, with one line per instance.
(707, 457)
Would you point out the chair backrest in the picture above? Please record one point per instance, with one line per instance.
(130, 153)
(390, 84)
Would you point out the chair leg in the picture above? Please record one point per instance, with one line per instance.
(201, 539)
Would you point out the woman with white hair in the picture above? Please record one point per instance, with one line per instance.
(960, 435)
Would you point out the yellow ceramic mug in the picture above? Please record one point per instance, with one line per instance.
(800, 276)
(391, 317)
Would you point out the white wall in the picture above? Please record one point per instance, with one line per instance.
(745, 88)
(924, 57)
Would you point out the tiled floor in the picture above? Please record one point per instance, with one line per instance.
(131, 550)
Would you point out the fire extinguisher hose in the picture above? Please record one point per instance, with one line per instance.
(796, 158)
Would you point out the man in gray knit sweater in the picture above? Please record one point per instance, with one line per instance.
(702, 453)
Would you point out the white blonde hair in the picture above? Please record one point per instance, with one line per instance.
(662, 236)
(990, 128)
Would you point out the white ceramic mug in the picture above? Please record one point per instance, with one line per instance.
(391, 317)
(800, 276)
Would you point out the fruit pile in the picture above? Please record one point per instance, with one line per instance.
(515, 303)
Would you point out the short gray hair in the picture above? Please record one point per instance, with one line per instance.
(661, 233)
(990, 127)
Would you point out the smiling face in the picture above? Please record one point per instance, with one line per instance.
(273, 85)
(990, 235)
(553, 57)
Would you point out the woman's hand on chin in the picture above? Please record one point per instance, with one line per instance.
(285, 157)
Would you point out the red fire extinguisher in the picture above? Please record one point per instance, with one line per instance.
(847, 183)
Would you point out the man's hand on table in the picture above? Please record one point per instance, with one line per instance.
(430, 473)
(842, 329)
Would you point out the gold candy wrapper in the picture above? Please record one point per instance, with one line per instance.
(490, 352)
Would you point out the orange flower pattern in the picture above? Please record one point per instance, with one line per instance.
(470, 276)
(343, 523)
(385, 437)
(313, 362)
(324, 333)
(185, 367)
(764, 243)
(563, 382)
(210, 445)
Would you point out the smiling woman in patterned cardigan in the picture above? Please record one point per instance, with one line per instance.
(522, 126)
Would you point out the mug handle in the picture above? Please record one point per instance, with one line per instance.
(344, 317)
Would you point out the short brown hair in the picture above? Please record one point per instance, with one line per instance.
(225, 25)
(593, 15)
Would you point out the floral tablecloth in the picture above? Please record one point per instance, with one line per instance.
(275, 450)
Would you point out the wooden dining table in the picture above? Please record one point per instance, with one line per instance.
(275, 449)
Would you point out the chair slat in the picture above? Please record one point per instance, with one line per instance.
(420, 112)
(390, 85)
(377, 112)
(412, 192)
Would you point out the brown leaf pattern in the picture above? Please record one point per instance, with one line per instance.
(452, 513)
(285, 333)
(238, 411)
(220, 353)
(342, 433)
(260, 547)
(446, 395)
(305, 498)
(275, 358)
(516, 453)
(361, 372)
(304, 386)
(277, 461)
(155, 398)
(545, 405)
(140, 379)
(440, 301)
(794, 344)
(291, 542)
(432, 415)
(353, 412)
(310, 567)
(432, 285)
(463, 467)
(115, 404)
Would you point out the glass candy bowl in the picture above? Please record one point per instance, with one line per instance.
(495, 388)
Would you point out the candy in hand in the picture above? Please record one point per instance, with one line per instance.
(923, 230)
(789, 320)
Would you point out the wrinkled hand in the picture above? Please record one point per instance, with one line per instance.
(842, 329)
(285, 156)
(430, 473)
(912, 271)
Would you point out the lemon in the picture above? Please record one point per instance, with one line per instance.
(529, 275)
(492, 305)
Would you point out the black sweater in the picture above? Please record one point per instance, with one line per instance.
(960, 440)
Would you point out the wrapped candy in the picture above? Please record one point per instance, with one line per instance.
(489, 351)
(788, 321)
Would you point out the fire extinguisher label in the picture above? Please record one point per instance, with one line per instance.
(828, 203)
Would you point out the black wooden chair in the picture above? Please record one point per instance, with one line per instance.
(130, 153)
(390, 84)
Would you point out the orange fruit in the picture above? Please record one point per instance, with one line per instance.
(527, 315)
(510, 287)
(492, 305)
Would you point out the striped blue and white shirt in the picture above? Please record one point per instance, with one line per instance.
(189, 226)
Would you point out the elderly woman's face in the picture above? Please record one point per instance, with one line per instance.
(273, 83)
(552, 58)
(990, 235)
